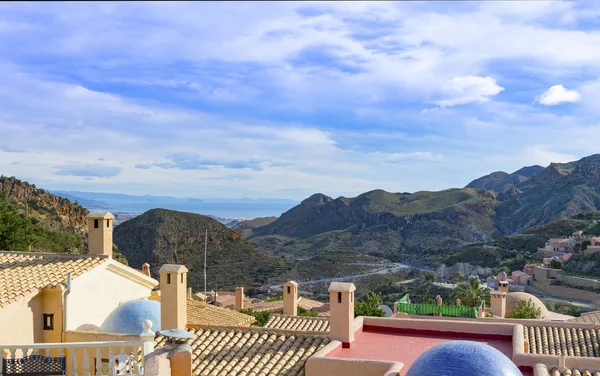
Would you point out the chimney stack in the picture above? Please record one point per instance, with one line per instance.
(146, 269)
(100, 233)
(290, 298)
(239, 298)
(503, 286)
(498, 303)
(173, 296)
(341, 305)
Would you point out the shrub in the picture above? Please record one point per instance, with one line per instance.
(302, 312)
(369, 306)
(261, 317)
(526, 310)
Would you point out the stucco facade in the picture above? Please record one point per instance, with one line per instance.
(21, 322)
(95, 294)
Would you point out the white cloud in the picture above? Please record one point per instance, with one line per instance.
(558, 94)
(469, 89)
(414, 156)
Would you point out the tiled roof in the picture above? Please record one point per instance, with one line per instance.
(562, 341)
(23, 273)
(571, 372)
(250, 352)
(200, 313)
(298, 323)
(277, 306)
(589, 317)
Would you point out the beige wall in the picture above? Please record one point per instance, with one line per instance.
(21, 322)
(95, 294)
(52, 303)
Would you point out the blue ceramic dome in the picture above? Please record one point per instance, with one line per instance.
(128, 318)
(463, 358)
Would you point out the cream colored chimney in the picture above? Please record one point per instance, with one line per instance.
(290, 298)
(503, 286)
(100, 233)
(146, 269)
(239, 298)
(341, 305)
(498, 303)
(173, 299)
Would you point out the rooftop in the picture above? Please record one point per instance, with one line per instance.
(572, 341)
(24, 273)
(406, 345)
(100, 215)
(274, 306)
(250, 351)
(298, 323)
(200, 313)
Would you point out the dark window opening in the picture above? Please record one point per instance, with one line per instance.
(182, 278)
(107, 223)
(339, 297)
(48, 321)
(289, 289)
(168, 279)
(351, 297)
(95, 223)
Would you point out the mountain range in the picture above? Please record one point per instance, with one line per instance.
(388, 224)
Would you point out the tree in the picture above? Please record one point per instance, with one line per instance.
(555, 264)
(369, 306)
(459, 277)
(472, 292)
(261, 317)
(430, 276)
(585, 243)
(526, 310)
(15, 231)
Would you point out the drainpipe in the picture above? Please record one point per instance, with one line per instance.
(66, 292)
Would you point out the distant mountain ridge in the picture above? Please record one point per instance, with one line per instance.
(390, 224)
(501, 181)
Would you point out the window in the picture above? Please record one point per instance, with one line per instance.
(48, 321)
(351, 297)
(95, 223)
(289, 289)
(107, 223)
(339, 297)
(181, 277)
(169, 279)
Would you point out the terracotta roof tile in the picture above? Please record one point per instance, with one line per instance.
(582, 371)
(589, 317)
(277, 306)
(249, 351)
(23, 273)
(550, 340)
(298, 323)
(200, 313)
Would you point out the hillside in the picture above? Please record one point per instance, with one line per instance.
(562, 190)
(501, 181)
(44, 222)
(246, 227)
(400, 226)
(161, 236)
(381, 223)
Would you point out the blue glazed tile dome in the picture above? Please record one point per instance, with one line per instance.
(128, 318)
(463, 358)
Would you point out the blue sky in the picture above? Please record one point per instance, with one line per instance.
(282, 100)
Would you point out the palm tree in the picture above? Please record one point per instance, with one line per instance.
(472, 292)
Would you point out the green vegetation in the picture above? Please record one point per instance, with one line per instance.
(261, 317)
(16, 232)
(369, 306)
(472, 292)
(564, 308)
(555, 264)
(275, 299)
(303, 312)
(526, 310)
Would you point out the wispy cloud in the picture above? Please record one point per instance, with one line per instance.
(285, 98)
(88, 171)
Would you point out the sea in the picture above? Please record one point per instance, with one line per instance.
(237, 210)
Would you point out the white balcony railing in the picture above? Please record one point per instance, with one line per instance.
(83, 357)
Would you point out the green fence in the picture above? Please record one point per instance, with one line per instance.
(433, 309)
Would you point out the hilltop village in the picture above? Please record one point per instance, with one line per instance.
(89, 314)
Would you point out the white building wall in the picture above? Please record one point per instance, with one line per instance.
(96, 293)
